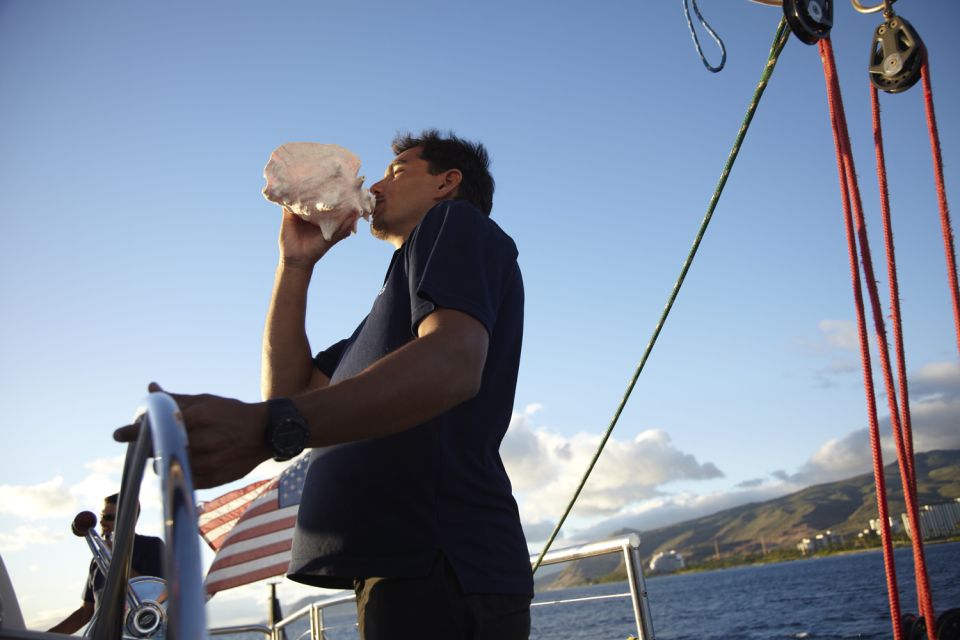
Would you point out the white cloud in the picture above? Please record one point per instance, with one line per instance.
(48, 499)
(644, 504)
(841, 334)
(23, 536)
(935, 417)
(545, 469)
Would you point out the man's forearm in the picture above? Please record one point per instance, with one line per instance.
(423, 379)
(74, 622)
(287, 364)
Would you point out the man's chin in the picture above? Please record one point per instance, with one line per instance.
(377, 230)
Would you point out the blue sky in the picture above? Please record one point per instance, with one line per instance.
(135, 244)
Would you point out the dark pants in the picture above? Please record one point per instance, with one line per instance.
(435, 608)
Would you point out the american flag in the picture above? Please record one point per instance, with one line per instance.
(251, 529)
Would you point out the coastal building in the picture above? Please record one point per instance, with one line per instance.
(820, 542)
(936, 520)
(666, 562)
(895, 526)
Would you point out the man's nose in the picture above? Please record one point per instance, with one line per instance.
(375, 188)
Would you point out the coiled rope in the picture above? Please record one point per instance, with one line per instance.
(696, 40)
(779, 41)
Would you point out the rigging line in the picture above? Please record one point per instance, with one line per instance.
(779, 41)
(909, 491)
(941, 195)
(696, 40)
(895, 313)
(835, 106)
(924, 597)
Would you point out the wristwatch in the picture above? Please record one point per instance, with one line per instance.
(287, 431)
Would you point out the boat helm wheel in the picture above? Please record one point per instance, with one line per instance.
(810, 20)
(948, 625)
(896, 56)
(146, 621)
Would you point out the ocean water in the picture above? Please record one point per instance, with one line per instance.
(815, 599)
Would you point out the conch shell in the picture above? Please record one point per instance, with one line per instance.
(319, 183)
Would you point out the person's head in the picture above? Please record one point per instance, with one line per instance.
(427, 169)
(108, 517)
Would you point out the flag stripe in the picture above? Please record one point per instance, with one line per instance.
(266, 503)
(263, 527)
(270, 571)
(255, 554)
(228, 502)
(248, 545)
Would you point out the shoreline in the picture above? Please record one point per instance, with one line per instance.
(748, 561)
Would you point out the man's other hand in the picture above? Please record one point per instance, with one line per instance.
(225, 437)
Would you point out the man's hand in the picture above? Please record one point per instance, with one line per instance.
(225, 437)
(302, 243)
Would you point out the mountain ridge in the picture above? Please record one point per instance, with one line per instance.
(844, 507)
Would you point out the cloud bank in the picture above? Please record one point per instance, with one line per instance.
(629, 487)
(546, 468)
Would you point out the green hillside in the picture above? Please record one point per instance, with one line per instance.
(845, 507)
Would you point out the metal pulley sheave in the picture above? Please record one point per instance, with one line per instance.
(810, 20)
(896, 56)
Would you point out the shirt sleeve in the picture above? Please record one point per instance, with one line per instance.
(328, 359)
(88, 586)
(457, 258)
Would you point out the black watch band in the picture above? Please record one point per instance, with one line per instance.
(287, 432)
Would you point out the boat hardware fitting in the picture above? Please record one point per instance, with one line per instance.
(810, 20)
(896, 55)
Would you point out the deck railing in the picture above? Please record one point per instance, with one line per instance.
(629, 546)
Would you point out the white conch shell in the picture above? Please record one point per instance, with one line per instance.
(319, 183)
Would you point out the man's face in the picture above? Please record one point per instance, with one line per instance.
(405, 194)
(107, 519)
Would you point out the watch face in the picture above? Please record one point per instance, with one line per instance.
(287, 431)
(288, 438)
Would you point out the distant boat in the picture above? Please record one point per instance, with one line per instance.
(666, 562)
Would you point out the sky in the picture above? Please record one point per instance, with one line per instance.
(135, 245)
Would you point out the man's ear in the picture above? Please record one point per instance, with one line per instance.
(451, 182)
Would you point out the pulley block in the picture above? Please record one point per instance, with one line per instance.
(810, 20)
(896, 57)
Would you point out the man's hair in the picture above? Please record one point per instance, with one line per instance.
(114, 497)
(443, 153)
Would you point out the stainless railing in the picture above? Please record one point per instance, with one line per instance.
(629, 546)
(163, 437)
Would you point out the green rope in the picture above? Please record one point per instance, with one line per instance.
(779, 41)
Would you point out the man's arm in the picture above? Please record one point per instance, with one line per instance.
(438, 370)
(442, 368)
(76, 620)
(287, 365)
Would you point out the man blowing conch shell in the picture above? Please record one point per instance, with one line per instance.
(406, 499)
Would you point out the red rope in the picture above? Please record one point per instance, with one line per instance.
(941, 196)
(905, 421)
(901, 432)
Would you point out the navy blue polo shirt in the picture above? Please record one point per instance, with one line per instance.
(386, 507)
(146, 559)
